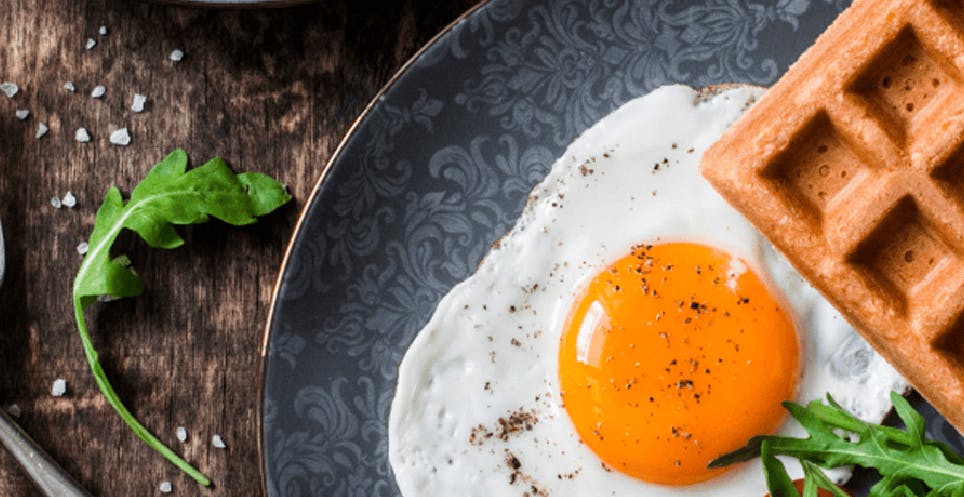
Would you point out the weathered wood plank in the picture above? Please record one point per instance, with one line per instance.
(272, 91)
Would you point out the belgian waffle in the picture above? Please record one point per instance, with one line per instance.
(853, 166)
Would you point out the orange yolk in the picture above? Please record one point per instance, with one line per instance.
(673, 356)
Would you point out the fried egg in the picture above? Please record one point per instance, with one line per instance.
(630, 328)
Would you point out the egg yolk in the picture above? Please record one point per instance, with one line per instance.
(673, 356)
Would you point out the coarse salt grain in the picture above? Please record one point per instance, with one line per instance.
(181, 433)
(218, 442)
(166, 487)
(120, 137)
(82, 135)
(91, 43)
(55, 201)
(14, 410)
(138, 104)
(82, 248)
(102, 30)
(69, 86)
(22, 114)
(69, 200)
(98, 91)
(59, 388)
(176, 55)
(9, 89)
(41, 130)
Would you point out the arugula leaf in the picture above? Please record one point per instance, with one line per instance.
(781, 485)
(778, 481)
(169, 195)
(813, 479)
(910, 464)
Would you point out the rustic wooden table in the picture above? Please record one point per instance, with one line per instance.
(267, 90)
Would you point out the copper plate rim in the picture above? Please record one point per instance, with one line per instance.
(302, 216)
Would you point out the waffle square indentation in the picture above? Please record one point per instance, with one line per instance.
(951, 343)
(818, 164)
(902, 253)
(950, 175)
(904, 85)
(952, 11)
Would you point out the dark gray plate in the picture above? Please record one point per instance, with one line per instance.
(439, 167)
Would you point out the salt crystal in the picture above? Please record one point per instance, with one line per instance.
(9, 89)
(59, 388)
(120, 137)
(69, 200)
(82, 248)
(55, 201)
(166, 487)
(91, 43)
(69, 86)
(177, 55)
(41, 130)
(102, 31)
(181, 433)
(139, 101)
(14, 410)
(98, 92)
(82, 135)
(22, 114)
(218, 442)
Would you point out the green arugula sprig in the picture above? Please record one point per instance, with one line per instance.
(910, 464)
(780, 484)
(169, 195)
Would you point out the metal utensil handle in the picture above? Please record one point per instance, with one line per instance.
(45, 473)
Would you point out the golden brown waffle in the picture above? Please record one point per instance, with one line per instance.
(853, 166)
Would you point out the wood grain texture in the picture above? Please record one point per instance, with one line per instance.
(267, 90)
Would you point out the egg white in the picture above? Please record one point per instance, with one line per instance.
(491, 347)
